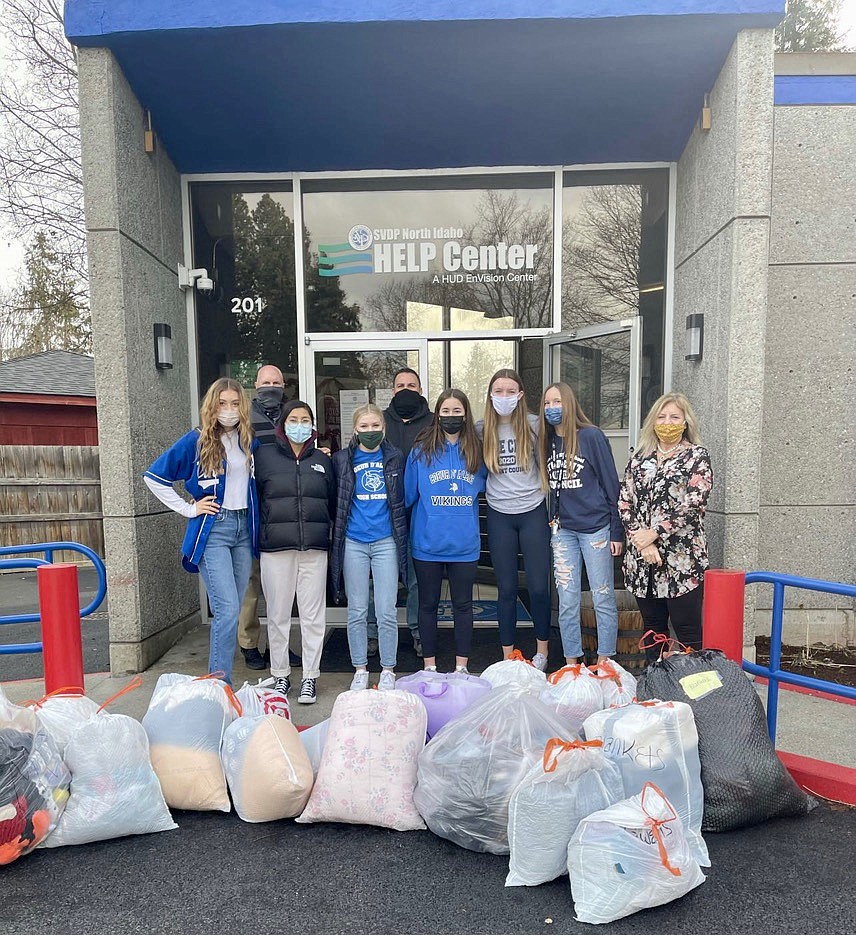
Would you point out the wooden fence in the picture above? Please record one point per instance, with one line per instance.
(51, 493)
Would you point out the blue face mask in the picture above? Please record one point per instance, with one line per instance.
(298, 432)
(553, 414)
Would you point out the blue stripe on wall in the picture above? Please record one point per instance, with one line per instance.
(814, 89)
(91, 18)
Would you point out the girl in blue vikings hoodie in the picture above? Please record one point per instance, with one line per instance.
(215, 462)
(444, 476)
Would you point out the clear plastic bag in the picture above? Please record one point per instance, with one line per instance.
(656, 741)
(574, 694)
(617, 685)
(63, 714)
(260, 699)
(313, 740)
(34, 782)
(267, 768)
(516, 672)
(185, 723)
(468, 772)
(631, 856)
(445, 695)
(572, 781)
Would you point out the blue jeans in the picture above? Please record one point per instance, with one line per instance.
(570, 549)
(412, 604)
(225, 568)
(381, 558)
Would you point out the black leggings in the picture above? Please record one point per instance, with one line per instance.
(527, 534)
(462, 577)
(684, 613)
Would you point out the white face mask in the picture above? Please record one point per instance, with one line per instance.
(504, 405)
(229, 418)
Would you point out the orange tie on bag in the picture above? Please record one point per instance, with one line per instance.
(517, 656)
(559, 674)
(135, 683)
(556, 747)
(656, 823)
(67, 690)
(233, 698)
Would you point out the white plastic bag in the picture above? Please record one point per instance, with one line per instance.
(260, 699)
(313, 740)
(368, 768)
(267, 768)
(631, 856)
(517, 673)
(185, 723)
(114, 790)
(656, 741)
(468, 772)
(574, 694)
(63, 714)
(572, 781)
(617, 685)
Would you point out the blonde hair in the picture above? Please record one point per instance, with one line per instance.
(211, 450)
(369, 409)
(648, 437)
(519, 423)
(573, 419)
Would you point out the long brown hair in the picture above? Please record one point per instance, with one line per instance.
(431, 441)
(519, 423)
(573, 419)
(211, 450)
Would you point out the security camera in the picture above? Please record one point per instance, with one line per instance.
(205, 284)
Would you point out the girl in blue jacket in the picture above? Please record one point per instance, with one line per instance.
(444, 476)
(215, 463)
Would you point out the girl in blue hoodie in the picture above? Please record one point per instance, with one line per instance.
(444, 476)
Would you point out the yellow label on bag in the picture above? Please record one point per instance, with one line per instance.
(700, 684)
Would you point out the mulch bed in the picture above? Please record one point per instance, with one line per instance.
(833, 663)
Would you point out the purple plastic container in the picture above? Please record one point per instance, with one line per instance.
(444, 694)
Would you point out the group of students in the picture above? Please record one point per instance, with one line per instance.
(383, 514)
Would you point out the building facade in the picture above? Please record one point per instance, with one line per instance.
(557, 190)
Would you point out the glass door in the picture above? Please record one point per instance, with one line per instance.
(601, 364)
(345, 373)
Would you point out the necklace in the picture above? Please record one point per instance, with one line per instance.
(667, 451)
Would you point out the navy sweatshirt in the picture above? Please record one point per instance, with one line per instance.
(588, 500)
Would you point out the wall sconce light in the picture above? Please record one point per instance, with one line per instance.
(695, 337)
(163, 346)
(706, 114)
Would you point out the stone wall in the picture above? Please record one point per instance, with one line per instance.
(134, 236)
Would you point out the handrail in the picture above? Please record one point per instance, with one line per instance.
(773, 672)
(48, 549)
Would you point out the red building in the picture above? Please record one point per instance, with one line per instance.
(48, 399)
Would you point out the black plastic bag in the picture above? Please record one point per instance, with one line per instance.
(744, 781)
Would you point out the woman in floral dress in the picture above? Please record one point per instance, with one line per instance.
(662, 504)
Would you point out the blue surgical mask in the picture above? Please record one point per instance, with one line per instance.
(298, 432)
(553, 414)
(504, 405)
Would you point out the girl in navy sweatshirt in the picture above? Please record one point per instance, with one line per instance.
(578, 472)
(444, 477)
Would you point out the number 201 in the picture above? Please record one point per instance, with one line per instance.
(246, 304)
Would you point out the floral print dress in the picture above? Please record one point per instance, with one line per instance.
(669, 497)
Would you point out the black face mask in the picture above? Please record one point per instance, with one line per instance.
(270, 397)
(451, 425)
(406, 403)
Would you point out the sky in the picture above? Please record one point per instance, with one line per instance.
(12, 252)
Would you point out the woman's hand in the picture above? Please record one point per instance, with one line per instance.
(651, 554)
(207, 506)
(643, 538)
(616, 548)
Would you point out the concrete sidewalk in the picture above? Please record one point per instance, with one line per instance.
(808, 726)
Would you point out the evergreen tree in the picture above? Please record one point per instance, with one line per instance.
(810, 26)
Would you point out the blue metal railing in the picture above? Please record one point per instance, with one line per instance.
(773, 672)
(48, 549)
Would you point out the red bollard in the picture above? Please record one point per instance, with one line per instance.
(59, 603)
(723, 612)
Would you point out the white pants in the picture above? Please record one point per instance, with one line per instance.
(283, 574)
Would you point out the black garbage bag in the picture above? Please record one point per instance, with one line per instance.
(744, 781)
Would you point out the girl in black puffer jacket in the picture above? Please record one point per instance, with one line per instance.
(297, 502)
(370, 535)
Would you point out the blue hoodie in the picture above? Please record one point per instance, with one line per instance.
(444, 524)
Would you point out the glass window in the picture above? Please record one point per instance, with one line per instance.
(244, 237)
(429, 254)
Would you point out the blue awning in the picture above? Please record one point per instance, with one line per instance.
(288, 85)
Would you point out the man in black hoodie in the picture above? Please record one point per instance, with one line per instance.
(406, 416)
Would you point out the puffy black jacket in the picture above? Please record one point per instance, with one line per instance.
(297, 497)
(393, 472)
(403, 434)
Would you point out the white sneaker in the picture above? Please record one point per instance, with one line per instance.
(386, 683)
(539, 660)
(360, 681)
(462, 670)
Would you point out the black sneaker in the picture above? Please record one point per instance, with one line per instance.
(282, 685)
(253, 659)
(307, 692)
